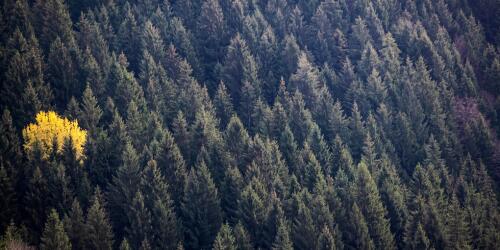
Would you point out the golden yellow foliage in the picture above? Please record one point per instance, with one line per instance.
(50, 126)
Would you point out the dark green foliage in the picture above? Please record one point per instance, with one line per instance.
(124, 186)
(201, 210)
(282, 240)
(241, 237)
(98, 227)
(225, 239)
(325, 124)
(74, 224)
(54, 236)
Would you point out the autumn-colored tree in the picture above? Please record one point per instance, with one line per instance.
(50, 126)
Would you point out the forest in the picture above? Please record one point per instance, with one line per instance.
(249, 124)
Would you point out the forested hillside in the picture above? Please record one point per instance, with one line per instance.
(246, 124)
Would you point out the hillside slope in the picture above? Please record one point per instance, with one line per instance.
(240, 124)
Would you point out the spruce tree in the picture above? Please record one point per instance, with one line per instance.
(74, 225)
(172, 166)
(223, 105)
(98, 227)
(373, 209)
(282, 240)
(123, 187)
(242, 237)
(225, 239)
(237, 142)
(91, 113)
(139, 217)
(8, 193)
(201, 210)
(54, 236)
(239, 67)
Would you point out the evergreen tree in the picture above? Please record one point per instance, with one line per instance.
(306, 80)
(91, 112)
(26, 82)
(223, 105)
(373, 210)
(36, 191)
(172, 166)
(98, 227)
(239, 67)
(253, 210)
(359, 236)
(225, 239)
(51, 20)
(74, 225)
(237, 142)
(54, 236)
(157, 199)
(282, 240)
(125, 245)
(242, 238)
(139, 217)
(123, 188)
(201, 210)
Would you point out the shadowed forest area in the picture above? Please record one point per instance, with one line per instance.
(247, 124)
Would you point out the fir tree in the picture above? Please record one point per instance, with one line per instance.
(242, 238)
(54, 236)
(98, 227)
(225, 239)
(282, 240)
(200, 209)
(373, 210)
(74, 225)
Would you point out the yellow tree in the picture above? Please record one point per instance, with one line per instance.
(48, 127)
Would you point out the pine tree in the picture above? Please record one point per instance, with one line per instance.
(223, 105)
(125, 245)
(10, 149)
(458, 231)
(253, 211)
(237, 142)
(356, 126)
(74, 225)
(36, 191)
(282, 240)
(200, 209)
(232, 186)
(242, 238)
(211, 30)
(328, 241)
(128, 36)
(139, 216)
(157, 199)
(359, 236)
(54, 236)
(306, 80)
(225, 239)
(98, 227)
(123, 187)
(62, 71)
(172, 166)
(8, 193)
(373, 210)
(239, 67)
(91, 113)
(125, 86)
(24, 83)
(290, 55)
(419, 239)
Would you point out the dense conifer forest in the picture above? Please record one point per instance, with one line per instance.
(247, 124)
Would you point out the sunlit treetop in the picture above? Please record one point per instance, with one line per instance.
(51, 130)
